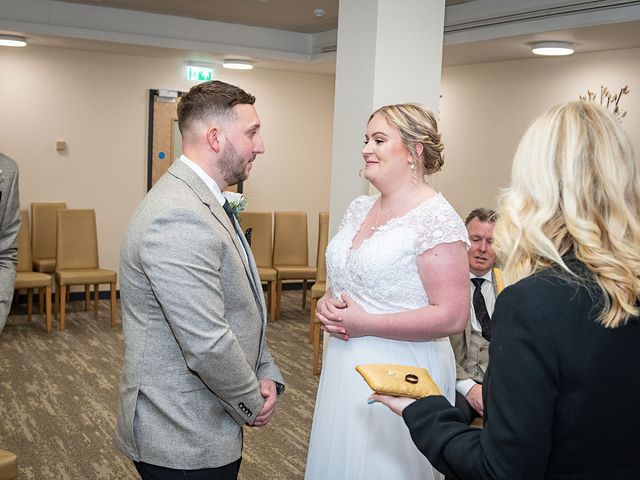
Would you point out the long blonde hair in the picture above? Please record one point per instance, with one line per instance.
(575, 190)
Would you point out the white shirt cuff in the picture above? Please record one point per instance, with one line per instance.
(463, 386)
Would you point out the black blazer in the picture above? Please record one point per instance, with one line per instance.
(561, 393)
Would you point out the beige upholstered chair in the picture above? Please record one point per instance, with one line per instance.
(44, 217)
(319, 288)
(8, 465)
(261, 224)
(291, 252)
(26, 278)
(77, 260)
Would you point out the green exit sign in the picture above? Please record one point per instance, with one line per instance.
(199, 74)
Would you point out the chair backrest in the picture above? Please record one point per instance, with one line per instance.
(45, 220)
(290, 243)
(261, 224)
(323, 241)
(77, 239)
(24, 244)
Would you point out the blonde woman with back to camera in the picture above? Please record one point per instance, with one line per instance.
(398, 286)
(562, 389)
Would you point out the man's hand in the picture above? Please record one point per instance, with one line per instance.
(474, 397)
(268, 392)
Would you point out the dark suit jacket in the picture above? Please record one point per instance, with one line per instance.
(561, 393)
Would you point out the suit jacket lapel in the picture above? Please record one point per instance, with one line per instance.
(182, 171)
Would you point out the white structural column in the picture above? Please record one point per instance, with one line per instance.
(389, 51)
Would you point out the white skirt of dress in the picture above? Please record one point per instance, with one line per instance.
(353, 440)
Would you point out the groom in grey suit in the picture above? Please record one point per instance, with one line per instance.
(196, 365)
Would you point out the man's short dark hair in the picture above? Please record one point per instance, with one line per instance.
(210, 99)
(482, 214)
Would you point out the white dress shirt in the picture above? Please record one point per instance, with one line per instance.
(489, 293)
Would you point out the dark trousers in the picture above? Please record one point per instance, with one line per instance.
(467, 410)
(154, 472)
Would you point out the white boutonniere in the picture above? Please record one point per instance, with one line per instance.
(237, 201)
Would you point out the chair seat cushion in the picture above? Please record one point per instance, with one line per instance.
(8, 465)
(267, 274)
(45, 265)
(85, 276)
(295, 272)
(32, 280)
(318, 289)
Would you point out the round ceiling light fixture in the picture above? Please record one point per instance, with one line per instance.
(553, 49)
(12, 41)
(235, 64)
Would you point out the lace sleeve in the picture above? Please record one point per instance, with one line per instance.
(439, 225)
(355, 211)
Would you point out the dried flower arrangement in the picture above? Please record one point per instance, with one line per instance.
(608, 99)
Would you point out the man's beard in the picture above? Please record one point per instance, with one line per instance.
(232, 165)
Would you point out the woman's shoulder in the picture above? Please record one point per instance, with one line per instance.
(357, 209)
(436, 221)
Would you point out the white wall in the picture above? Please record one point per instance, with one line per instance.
(486, 108)
(97, 103)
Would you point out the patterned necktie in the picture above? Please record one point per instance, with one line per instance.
(480, 308)
(227, 208)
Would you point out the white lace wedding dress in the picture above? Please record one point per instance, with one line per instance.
(350, 439)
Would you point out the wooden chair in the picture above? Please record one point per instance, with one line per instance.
(261, 224)
(319, 288)
(8, 465)
(77, 261)
(43, 235)
(291, 252)
(26, 278)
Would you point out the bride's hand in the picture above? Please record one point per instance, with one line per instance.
(328, 312)
(354, 318)
(396, 404)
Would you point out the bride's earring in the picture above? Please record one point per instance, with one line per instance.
(414, 176)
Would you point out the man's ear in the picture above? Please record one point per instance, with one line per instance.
(213, 139)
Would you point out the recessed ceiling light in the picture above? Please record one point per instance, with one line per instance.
(319, 12)
(554, 49)
(12, 41)
(237, 64)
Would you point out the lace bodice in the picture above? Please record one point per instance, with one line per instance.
(382, 273)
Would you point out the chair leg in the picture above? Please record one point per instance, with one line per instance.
(41, 299)
(316, 347)
(96, 297)
(278, 297)
(304, 294)
(29, 302)
(113, 304)
(273, 295)
(312, 318)
(87, 297)
(68, 293)
(56, 301)
(48, 309)
(63, 304)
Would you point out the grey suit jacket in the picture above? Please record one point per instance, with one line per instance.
(472, 360)
(9, 227)
(194, 323)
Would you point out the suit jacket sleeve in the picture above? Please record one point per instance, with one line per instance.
(521, 390)
(187, 284)
(9, 227)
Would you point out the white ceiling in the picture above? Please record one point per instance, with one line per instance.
(285, 34)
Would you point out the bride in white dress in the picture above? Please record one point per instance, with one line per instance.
(398, 286)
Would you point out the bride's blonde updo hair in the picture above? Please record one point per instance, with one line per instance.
(416, 124)
(575, 190)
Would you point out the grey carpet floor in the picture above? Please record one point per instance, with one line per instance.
(58, 397)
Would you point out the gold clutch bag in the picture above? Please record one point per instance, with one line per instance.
(398, 380)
